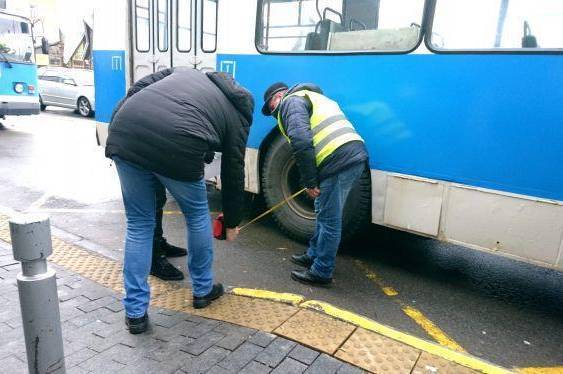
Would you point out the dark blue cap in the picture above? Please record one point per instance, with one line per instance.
(270, 92)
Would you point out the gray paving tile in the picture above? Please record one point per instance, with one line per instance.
(241, 357)
(92, 305)
(275, 352)
(165, 320)
(199, 328)
(205, 361)
(12, 364)
(324, 364)
(100, 364)
(304, 354)
(203, 343)
(256, 368)
(261, 338)
(79, 357)
(349, 369)
(116, 306)
(218, 370)
(290, 366)
(232, 341)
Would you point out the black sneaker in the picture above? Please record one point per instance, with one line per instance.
(171, 250)
(309, 278)
(164, 270)
(302, 260)
(203, 301)
(137, 325)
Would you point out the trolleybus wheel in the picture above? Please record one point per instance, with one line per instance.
(280, 179)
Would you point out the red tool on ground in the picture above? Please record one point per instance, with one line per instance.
(220, 231)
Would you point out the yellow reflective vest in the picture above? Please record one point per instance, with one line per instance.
(329, 125)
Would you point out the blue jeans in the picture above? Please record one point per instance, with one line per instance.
(328, 208)
(138, 187)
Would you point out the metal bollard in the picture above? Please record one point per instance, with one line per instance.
(37, 286)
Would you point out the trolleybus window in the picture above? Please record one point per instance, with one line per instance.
(336, 26)
(16, 44)
(184, 25)
(497, 25)
(162, 10)
(209, 26)
(142, 28)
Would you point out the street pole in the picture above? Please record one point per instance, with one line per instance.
(37, 287)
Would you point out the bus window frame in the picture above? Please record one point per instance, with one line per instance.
(166, 29)
(191, 34)
(137, 29)
(258, 31)
(216, 27)
(499, 51)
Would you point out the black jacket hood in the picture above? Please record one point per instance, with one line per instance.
(240, 97)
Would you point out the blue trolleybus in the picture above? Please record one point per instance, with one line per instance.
(18, 72)
(460, 103)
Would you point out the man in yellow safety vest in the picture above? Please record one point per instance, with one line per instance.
(330, 156)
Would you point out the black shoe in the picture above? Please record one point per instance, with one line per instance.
(302, 260)
(137, 325)
(309, 278)
(164, 270)
(203, 301)
(171, 250)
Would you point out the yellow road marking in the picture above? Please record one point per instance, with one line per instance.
(542, 370)
(288, 298)
(431, 329)
(424, 345)
(417, 316)
(390, 291)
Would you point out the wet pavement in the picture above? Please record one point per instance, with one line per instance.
(502, 310)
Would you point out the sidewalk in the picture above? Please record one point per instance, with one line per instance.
(96, 340)
(247, 330)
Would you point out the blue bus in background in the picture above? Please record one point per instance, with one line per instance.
(18, 72)
(460, 104)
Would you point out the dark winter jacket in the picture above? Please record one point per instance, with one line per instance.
(172, 120)
(296, 118)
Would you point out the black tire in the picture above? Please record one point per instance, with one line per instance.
(280, 179)
(41, 105)
(83, 107)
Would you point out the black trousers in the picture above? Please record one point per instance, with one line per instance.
(160, 202)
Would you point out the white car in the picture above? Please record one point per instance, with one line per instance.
(67, 88)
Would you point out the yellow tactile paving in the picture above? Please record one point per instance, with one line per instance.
(378, 354)
(255, 313)
(428, 364)
(4, 229)
(315, 330)
(259, 314)
(176, 300)
(97, 268)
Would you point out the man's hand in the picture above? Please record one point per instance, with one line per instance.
(313, 192)
(232, 234)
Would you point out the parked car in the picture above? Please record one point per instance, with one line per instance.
(67, 88)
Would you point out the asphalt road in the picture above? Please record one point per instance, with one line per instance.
(505, 311)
